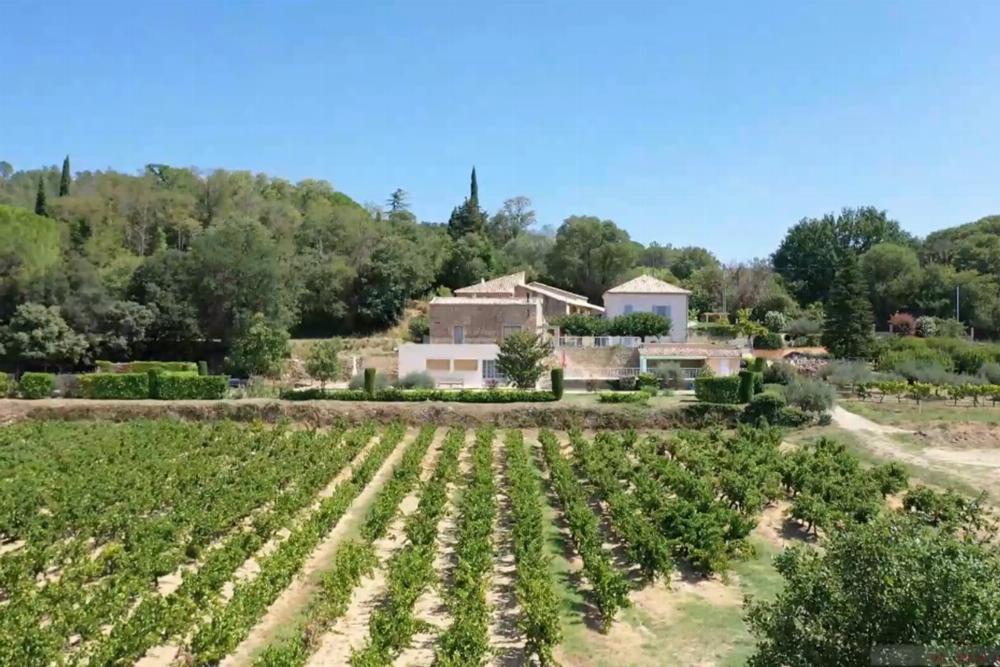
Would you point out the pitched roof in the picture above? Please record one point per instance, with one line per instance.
(562, 295)
(501, 285)
(481, 301)
(646, 284)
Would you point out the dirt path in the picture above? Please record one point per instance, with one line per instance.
(978, 467)
(350, 632)
(430, 606)
(294, 598)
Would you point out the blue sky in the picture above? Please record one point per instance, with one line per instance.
(717, 124)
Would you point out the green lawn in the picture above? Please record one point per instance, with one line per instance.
(591, 399)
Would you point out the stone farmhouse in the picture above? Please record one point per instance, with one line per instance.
(466, 329)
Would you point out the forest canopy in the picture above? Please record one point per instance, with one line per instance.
(160, 262)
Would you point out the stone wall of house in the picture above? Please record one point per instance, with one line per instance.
(483, 323)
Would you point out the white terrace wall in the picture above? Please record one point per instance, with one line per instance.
(447, 362)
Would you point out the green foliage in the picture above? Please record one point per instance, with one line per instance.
(810, 395)
(641, 324)
(767, 406)
(888, 582)
(179, 386)
(322, 362)
(745, 390)
(36, 385)
(146, 366)
(261, 349)
(202, 368)
(718, 389)
(925, 326)
(38, 334)
(579, 324)
(41, 207)
(903, 324)
(65, 179)
(845, 373)
(115, 385)
(415, 380)
(950, 511)
(768, 341)
(775, 321)
(589, 255)
(670, 375)
(420, 395)
(949, 328)
(520, 358)
(358, 382)
(556, 377)
(847, 332)
(624, 397)
(418, 328)
(370, 381)
(6, 385)
(780, 372)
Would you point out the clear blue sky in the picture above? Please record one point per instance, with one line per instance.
(718, 124)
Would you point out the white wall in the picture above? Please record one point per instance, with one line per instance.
(413, 358)
(614, 305)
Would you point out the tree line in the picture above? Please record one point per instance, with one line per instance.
(166, 260)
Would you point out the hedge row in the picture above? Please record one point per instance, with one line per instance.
(146, 366)
(135, 386)
(624, 396)
(419, 395)
(718, 389)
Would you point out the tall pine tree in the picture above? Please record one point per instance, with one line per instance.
(40, 206)
(468, 218)
(847, 332)
(66, 179)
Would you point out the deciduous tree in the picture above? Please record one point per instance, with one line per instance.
(521, 356)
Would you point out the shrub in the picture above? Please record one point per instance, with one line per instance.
(794, 417)
(757, 364)
(803, 326)
(180, 386)
(624, 396)
(810, 395)
(903, 324)
(415, 380)
(369, 381)
(582, 325)
(146, 366)
(745, 391)
(768, 341)
(640, 324)
(719, 330)
(766, 406)
(846, 373)
(556, 377)
(419, 328)
(780, 372)
(67, 386)
(648, 382)
(358, 382)
(419, 395)
(202, 368)
(128, 386)
(6, 385)
(775, 320)
(36, 385)
(671, 375)
(989, 371)
(925, 326)
(950, 328)
(718, 389)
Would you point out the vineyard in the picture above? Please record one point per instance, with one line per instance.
(165, 543)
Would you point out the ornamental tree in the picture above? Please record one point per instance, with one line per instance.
(521, 356)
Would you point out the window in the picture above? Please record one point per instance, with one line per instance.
(439, 364)
(466, 365)
(628, 308)
(509, 329)
(662, 311)
(458, 335)
(490, 371)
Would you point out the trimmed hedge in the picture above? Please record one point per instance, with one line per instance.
(146, 366)
(418, 395)
(557, 383)
(6, 385)
(624, 396)
(37, 385)
(114, 385)
(746, 386)
(724, 390)
(180, 386)
(768, 341)
(370, 381)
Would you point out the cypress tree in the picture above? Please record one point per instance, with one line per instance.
(474, 190)
(468, 218)
(65, 181)
(847, 332)
(40, 207)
